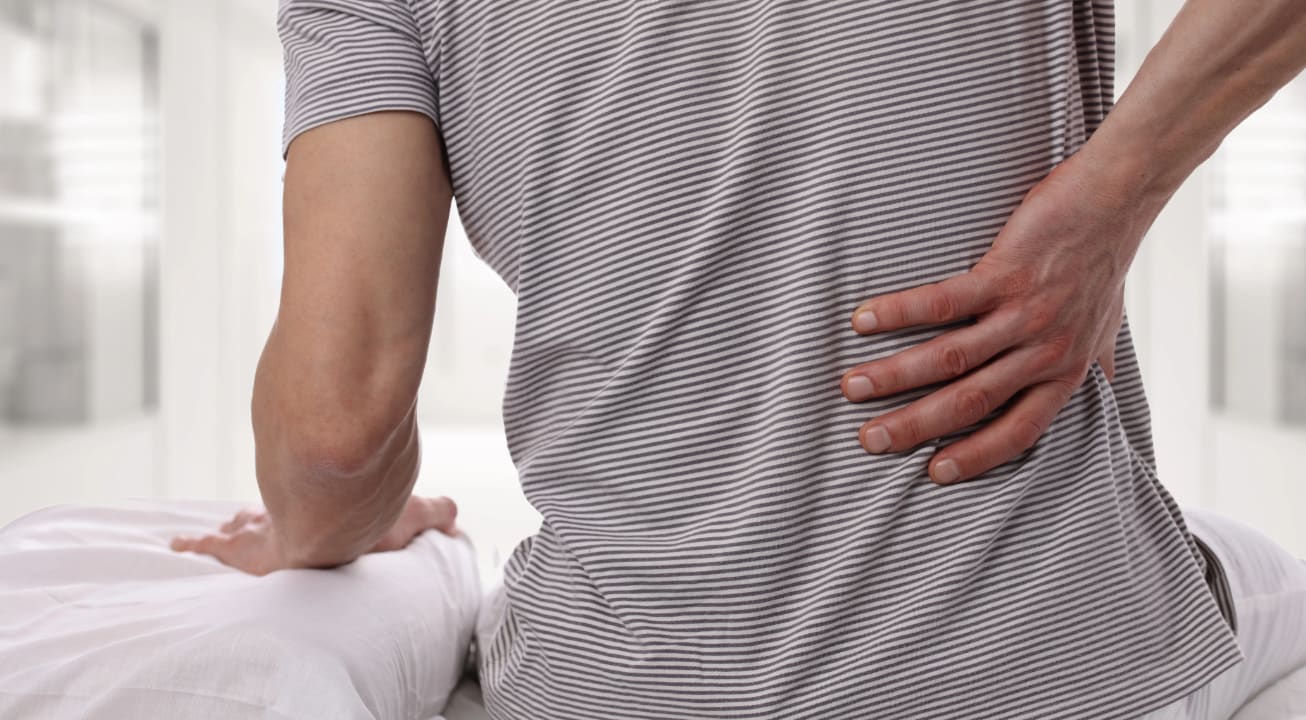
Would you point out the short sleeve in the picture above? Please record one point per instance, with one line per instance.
(351, 57)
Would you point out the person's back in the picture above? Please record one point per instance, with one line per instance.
(688, 199)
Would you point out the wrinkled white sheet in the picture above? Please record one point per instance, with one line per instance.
(98, 618)
(1284, 700)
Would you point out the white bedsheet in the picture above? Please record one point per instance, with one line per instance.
(1284, 700)
(98, 618)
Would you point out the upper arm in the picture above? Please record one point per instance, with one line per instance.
(366, 205)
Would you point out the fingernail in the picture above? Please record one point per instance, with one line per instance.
(877, 440)
(864, 321)
(946, 471)
(859, 388)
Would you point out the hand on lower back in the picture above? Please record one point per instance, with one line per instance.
(1047, 301)
(248, 541)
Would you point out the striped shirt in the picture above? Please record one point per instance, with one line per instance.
(689, 197)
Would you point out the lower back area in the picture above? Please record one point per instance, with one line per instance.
(718, 544)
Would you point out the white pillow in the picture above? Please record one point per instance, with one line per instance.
(99, 618)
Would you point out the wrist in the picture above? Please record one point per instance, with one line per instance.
(316, 541)
(1130, 173)
(285, 554)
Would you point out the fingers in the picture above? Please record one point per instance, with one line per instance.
(1006, 437)
(433, 513)
(439, 513)
(421, 514)
(953, 299)
(946, 357)
(210, 544)
(951, 408)
(240, 519)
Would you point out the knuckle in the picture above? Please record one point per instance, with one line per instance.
(1039, 319)
(907, 434)
(1081, 368)
(1071, 363)
(1066, 387)
(899, 311)
(973, 404)
(952, 360)
(1069, 385)
(1015, 283)
(1026, 431)
(941, 305)
(884, 378)
(1054, 353)
(1063, 342)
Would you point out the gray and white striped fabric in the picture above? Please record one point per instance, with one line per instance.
(689, 197)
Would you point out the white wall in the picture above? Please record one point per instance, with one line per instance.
(221, 251)
(1248, 468)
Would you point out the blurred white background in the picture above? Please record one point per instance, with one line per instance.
(140, 188)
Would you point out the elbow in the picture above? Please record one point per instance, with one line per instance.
(327, 443)
(319, 479)
(326, 435)
(328, 409)
(335, 447)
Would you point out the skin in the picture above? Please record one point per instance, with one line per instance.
(1047, 296)
(248, 541)
(366, 205)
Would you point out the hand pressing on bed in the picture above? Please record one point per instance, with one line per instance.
(248, 542)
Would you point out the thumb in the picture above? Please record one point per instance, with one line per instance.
(437, 513)
(1106, 354)
(420, 514)
(1108, 362)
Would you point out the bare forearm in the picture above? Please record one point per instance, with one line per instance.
(1217, 62)
(366, 206)
(332, 484)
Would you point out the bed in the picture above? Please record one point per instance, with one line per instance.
(98, 618)
(1284, 700)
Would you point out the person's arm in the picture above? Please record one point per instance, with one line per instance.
(366, 206)
(1047, 294)
(1218, 61)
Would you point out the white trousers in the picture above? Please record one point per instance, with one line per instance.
(1269, 596)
